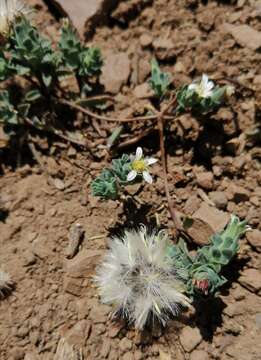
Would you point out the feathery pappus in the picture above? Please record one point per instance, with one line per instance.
(139, 279)
(6, 284)
(9, 11)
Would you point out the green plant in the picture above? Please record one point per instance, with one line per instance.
(123, 171)
(84, 62)
(202, 273)
(159, 80)
(29, 55)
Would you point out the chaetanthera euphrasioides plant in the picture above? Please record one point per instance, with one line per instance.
(202, 96)
(123, 171)
(84, 62)
(203, 271)
(145, 276)
(139, 278)
(25, 53)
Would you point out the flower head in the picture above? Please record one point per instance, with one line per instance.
(140, 166)
(138, 277)
(9, 11)
(204, 88)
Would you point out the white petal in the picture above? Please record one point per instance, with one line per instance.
(151, 161)
(210, 85)
(192, 87)
(147, 177)
(139, 153)
(131, 175)
(204, 80)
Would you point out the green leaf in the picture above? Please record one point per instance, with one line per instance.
(47, 79)
(8, 115)
(159, 80)
(105, 186)
(90, 62)
(32, 95)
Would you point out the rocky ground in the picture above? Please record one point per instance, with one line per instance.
(54, 311)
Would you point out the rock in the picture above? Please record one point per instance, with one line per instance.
(138, 355)
(199, 355)
(115, 72)
(205, 180)
(84, 14)
(219, 199)
(67, 351)
(190, 338)
(146, 40)
(128, 356)
(99, 314)
(114, 330)
(238, 193)
(105, 349)
(31, 356)
(28, 258)
(41, 248)
(215, 218)
(73, 286)
(251, 279)
(143, 91)
(163, 355)
(244, 35)
(16, 354)
(59, 184)
(198, 230)
(192, 204)
(125, 345)
(126, 9)
(84, 263)
(75, 237)
(258, 320)
(164, 48)
(254, 239)
(76, 336)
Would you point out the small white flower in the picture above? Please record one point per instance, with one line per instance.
(140, 166)
(138, 277)
(204, 88)
(9, 11)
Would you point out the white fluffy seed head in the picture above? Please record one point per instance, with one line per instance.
(6, 284)
(138, 278)
(9, 11)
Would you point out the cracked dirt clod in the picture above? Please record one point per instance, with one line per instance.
(75, 237)
(244, 35)
(85, 14)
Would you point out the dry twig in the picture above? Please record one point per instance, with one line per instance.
(164, 163)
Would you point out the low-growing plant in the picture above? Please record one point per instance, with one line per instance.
(24, 52)
(145, 276)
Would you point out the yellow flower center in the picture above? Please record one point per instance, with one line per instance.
(200, 90)
(139, 165)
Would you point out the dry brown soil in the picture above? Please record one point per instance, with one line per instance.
(54, 297)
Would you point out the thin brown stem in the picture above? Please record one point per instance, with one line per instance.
(164, 162)
(102, 117)
(136, 138)
(57, 133)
